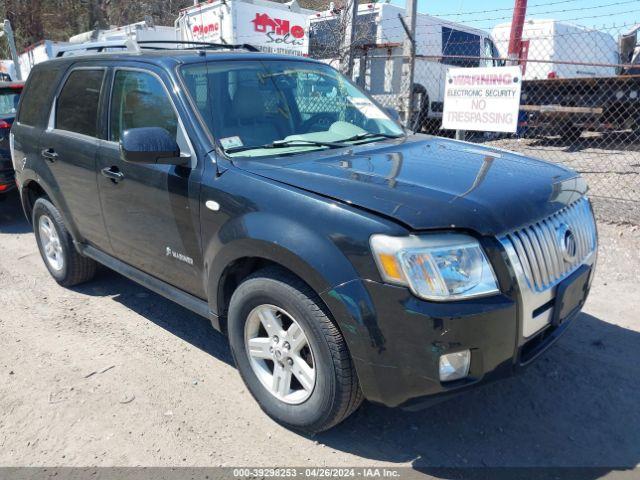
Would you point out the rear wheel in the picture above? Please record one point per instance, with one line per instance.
(290, 354)
(56, 247)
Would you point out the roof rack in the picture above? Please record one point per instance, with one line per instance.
(136, 46)
(199, 45)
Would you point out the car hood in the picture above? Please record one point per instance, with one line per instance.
(429, 182)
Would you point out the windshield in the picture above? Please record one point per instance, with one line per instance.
(252, 107)
(8, 102)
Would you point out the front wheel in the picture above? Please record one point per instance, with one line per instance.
(290, 354)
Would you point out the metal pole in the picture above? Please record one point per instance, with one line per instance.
(8, 31)
(350, 17)
(362, 69)
(409, 53)
(517, 24)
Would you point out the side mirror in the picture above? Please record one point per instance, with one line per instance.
(150, 145)
(393, 113)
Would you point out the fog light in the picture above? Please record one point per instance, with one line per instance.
(454, 366)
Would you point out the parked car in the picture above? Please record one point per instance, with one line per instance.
(9, 97)
(344, 257)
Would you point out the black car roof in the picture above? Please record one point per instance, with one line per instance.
(168, 58)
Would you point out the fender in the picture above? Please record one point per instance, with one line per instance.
(28, 176)
(306, 253)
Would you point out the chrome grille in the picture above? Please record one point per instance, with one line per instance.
(551, 249)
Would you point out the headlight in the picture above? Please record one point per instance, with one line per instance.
(435, 267)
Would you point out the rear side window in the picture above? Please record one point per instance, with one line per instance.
(77, 107)
(34, 108)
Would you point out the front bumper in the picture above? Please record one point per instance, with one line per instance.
(396, 340)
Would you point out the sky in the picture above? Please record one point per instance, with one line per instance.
(610, 15)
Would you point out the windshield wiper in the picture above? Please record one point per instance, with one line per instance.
(286, 144)
(368, 135)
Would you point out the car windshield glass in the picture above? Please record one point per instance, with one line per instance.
(263, 108)
(8, 102)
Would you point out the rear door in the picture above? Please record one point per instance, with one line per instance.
(69, 147)
(151, 211)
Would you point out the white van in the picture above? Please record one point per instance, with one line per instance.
(37, 53)
(440, 44)
(550, 41)
(48, 49)
(144, 31)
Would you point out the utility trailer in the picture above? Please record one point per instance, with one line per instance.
(570, 106)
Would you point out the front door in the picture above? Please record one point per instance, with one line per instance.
(151, 211)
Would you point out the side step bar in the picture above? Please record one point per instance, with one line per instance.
(164, 289)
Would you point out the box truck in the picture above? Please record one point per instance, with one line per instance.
(576, 79)
(593, 52)
(268, 26)
(378, 39)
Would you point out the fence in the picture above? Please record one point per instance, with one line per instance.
(580, 103)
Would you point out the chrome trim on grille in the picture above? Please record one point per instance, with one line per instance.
(539, 263)
(539, 246)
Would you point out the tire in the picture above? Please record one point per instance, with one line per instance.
(72, 268)
(336, 393)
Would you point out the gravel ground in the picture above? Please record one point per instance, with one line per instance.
(111, 374)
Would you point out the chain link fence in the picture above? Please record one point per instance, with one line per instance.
(580, 103)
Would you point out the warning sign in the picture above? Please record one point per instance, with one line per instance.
(482, 99)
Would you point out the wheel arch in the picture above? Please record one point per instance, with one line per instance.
(33, 188)
(271, 240)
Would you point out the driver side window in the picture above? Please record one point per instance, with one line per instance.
(139, 100)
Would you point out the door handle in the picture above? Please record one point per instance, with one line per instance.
(49, 154)
(112, 173)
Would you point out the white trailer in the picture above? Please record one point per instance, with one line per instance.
(268, 26)
(440, 44)
(37, 53)
(48, 49)
(144, 31)
(551, 41)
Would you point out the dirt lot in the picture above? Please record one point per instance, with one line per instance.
(112, 374)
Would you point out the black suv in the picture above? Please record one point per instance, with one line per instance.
(344, 257)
